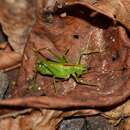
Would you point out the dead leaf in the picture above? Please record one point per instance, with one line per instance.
(17, 18)
(81, 30)
(9, 59)
(118, 10)
(108, 72)
(40, 119)
(120, 116)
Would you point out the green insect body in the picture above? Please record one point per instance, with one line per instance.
(62, 69)
(59, 70)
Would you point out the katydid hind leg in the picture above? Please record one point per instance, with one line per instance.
(60, 59)
(65, 54)
(78, 80)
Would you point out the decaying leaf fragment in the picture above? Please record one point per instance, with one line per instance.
(8, 59)
(120, 115)
(17, 18)
(39, 119)
(118, 10)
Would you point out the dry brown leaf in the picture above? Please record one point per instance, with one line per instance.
(17, 18)
(125, 125)
(119, 112)
(40, 119)
(78, 31)
(120, 116)
(118, 10)
(60, 35)
(8, 59)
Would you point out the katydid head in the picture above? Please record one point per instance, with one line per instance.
(40, 64)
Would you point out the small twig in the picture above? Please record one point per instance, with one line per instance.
(15, 114)
(12, 68)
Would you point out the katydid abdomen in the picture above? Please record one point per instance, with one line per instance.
(59, 70)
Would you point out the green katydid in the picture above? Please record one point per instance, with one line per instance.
(62, 69)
